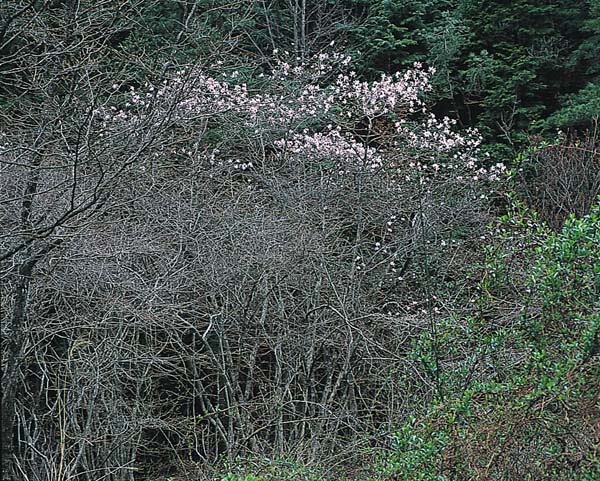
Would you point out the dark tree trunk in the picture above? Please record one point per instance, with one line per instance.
(10, 376)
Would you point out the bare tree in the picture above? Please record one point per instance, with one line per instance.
(60, 166)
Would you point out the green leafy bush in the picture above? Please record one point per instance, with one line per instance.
(540, 417)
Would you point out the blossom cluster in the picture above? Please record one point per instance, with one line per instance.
(371, 100)
(342, 151)
(311, 70)
(311, 110)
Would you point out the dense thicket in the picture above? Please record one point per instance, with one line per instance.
(259, 240)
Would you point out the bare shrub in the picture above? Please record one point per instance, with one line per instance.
(562, 179)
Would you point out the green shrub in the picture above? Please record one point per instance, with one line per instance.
(540, 417)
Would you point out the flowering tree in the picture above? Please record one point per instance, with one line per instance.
(224, 263)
